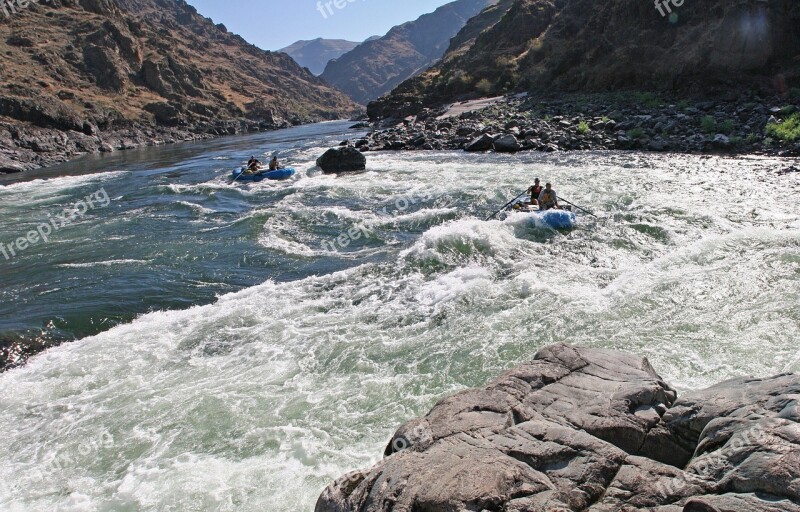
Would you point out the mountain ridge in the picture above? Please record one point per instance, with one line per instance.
(315, 54)
(376, 67)
(706, 47)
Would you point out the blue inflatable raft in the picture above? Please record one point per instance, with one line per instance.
(280, 174)
(552, 219)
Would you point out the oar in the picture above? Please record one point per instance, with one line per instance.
(578, 207)
(237, 177)
(505, 206)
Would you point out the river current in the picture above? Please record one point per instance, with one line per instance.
(239, 346)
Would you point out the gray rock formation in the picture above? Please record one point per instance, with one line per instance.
(344, 159)
(506, 144)
(590, 429)
(481, 143)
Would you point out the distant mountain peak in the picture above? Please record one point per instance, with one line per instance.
(316, 53)
(378, 65)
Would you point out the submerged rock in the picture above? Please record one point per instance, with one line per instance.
(590, 429)
(343, 159)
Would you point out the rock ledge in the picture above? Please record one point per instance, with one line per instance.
(583, 429)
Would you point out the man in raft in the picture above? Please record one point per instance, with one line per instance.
(252, 165)
(535, 191)
(548, 199)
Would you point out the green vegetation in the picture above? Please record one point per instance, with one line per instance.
(752, 139)
(605, 119)
(484, 86)
(583, 127)
(794, 93)
(787, 131)
(504, 61)
(708, 124)
(459, 82)
(648, 99)
(726, 127)
(788, 110)
(534, 45)
(636, 133)
(683, 105)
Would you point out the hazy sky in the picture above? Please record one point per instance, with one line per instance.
(274, 24)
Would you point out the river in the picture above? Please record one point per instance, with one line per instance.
(242, 345)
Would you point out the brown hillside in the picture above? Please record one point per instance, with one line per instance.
(707, 47)
(97, 66)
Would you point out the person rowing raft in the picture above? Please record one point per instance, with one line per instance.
(535, 191)
(548, 199)
(252, 165)
(274, 165)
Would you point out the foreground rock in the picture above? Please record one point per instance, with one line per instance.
(590, 429)
(344, 159)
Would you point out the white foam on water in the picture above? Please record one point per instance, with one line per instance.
(107, 263)
(198, 208)
(45, 187)
(258, 401)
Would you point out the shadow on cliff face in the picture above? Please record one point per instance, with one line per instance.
(704, 47)
(700, 47)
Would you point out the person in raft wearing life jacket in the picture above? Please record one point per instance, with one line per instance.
(273, 164)
(535, 191)
(548, 199)
(252, 165)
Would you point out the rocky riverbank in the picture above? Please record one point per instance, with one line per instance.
(642, 121)
(580, 429)
(25, 147)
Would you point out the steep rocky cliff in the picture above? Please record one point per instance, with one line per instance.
(702, 48)
(376, 67)
(86, 75)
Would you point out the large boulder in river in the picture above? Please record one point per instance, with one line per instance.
(582, 429)
(483, 143)
(346, 159)
(506, 144)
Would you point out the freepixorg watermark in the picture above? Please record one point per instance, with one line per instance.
(326, 7)
(400, 206)
(663, 8)
(44, 230)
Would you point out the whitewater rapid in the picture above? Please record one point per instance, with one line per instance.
(259, 400)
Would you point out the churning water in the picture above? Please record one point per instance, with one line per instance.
(335, 309)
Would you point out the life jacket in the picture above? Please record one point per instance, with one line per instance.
(536, 190)
(548, 198)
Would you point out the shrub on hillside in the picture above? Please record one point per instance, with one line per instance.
(787, 131)
(708, 124)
